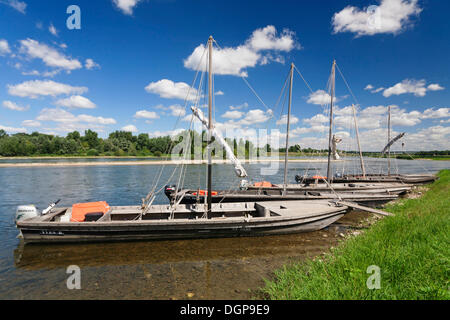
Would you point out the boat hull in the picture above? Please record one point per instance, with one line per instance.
(165, 229)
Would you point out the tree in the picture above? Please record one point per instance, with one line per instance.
(3, 134)
(91, 137)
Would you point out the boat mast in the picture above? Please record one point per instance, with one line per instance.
(363, 169)
(209, 197)
(389, 140)
(330, 137)
(286, 154)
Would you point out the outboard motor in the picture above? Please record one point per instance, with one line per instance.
(170, 189)
(26, 212)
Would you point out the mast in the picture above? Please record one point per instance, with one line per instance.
(209, 198)
(363, 169)
(330, 137)
(286, 154)
(389, 140)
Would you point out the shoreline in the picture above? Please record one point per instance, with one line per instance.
(149, 162)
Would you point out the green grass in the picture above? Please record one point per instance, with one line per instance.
(411, 248)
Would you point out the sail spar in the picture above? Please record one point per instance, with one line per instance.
(240, 171)
(391, 143)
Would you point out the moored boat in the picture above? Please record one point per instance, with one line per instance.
(162, 222)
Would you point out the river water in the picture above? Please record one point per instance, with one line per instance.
(197, 269)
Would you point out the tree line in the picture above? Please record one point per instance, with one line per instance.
(118, 143)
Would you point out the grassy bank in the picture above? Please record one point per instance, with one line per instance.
(411, 248)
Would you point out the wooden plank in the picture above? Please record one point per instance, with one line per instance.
(363, 208)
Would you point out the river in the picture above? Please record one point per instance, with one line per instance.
(197, 269)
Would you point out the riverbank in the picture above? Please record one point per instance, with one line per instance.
(146, 162)
(411, 249)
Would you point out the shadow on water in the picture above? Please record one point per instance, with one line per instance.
(201, 269)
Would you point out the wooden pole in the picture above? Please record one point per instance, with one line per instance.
(287, 130)
(389, 140)
(330, 134)
(209, 197)
(363, 169)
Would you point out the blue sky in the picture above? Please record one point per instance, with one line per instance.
(129, 65)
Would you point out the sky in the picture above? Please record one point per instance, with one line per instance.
(131, 64)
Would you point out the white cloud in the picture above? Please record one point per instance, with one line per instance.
(16, 4)
(255, 116)
(172, 90)
(239, 107)
(129, 128)
(35, 88)
(53, 30)
(126, 6)
(177, 110)
(31, 73)
(267, 39)
(91, 64)
(50, 56)
(283, 120)
(14, 106)
(391, 16)
(232, 114)
(31, 123)
(219, 93)
(12, 130)
(234, 60)
(435, 114)
(369, 87)
(76, 102)
(435, 87)
(320, 97)
(4, 47)
(318, 119)
(144, 114)
(63, 116)
(417, 87)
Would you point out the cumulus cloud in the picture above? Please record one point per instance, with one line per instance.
(67, 122)
(232, 114)
(417, 87)
(234, 60)
(126, 6)
(12, 129)
(283, 120)
(390, 17)
(14, 106)
(129, 128)
(320, 97)
(31, 123)
(35, 88)
(76, 102)
(144, 114)
(50, 56)
(172, 90)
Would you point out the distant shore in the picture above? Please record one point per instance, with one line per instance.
(141, 163)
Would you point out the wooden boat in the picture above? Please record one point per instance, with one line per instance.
(164, 222)
(226, 196)
(410, 179)
(98, 222)
(372, 188)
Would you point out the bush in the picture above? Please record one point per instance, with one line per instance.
(92, 152)
(157, 154)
